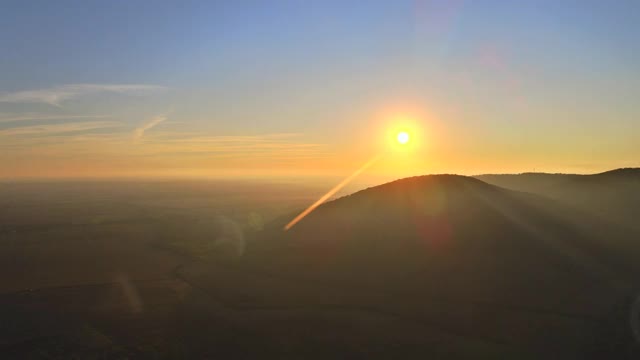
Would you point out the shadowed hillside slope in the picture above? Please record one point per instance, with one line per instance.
(451, 222)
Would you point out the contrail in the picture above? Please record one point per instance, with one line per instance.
(138, 133)
(330, 193)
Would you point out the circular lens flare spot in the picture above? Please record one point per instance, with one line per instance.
(403, 137)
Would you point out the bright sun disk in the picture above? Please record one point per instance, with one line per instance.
(403, 137)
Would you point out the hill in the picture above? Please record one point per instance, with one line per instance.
(465, 256)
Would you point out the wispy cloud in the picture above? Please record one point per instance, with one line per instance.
(191, 138)
(228, 146)
(55, 96)
(58, 128)
(5, 118)
(138, 133)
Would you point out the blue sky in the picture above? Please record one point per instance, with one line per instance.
(257, 87)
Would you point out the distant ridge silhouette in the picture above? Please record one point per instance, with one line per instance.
(613, 194)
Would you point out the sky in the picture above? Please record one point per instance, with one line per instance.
(317, 88)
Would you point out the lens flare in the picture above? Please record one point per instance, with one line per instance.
(331, 192)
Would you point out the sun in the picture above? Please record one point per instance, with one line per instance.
(403, 137)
